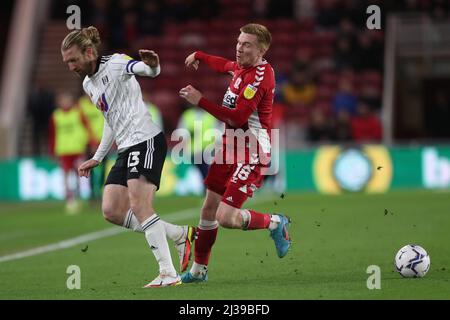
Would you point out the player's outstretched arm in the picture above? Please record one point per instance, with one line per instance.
(148, 66)
(216, 63)
(234, 117)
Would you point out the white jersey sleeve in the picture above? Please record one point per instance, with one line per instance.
(131, 67)
(105, 144)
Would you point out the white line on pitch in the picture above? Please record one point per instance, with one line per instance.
(171, 217)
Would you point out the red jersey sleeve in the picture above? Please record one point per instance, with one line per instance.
(246, 103)
(234, 117)
(218, 64)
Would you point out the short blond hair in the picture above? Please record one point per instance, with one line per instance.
(83, 39)
(261, 32)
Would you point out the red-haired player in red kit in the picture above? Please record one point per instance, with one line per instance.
(247, 105)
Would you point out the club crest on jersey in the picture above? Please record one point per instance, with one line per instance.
(250, 92)
(102, 105)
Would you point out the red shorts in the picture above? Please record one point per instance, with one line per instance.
(234, 182)
(70, 162)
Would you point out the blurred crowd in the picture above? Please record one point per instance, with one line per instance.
(124, 21)
(329, 65)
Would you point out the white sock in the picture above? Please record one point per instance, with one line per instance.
(155, 234)
(198, 270)
(274, 221)
(131, 222)
(174, 232)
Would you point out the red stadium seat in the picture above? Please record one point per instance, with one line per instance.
(371, 77)
(325, 92)
(324, 106)
(306, 38)
(329, 78)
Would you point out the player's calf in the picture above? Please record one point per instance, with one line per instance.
(112, 215)
(229, 217)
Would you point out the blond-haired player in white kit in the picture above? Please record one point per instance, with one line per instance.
(130, 187)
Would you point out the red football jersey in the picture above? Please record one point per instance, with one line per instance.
(251, 89)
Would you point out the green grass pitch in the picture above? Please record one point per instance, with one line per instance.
(335, 239)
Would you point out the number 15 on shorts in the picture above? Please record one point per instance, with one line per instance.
(133, 159)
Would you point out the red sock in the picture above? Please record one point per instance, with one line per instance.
(258, 220)
(203, 244)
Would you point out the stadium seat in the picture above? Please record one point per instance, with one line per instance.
(371, 77)
(325, 92)
(306, 38)
(329, 78)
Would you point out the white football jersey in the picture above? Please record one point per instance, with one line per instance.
(113, 88)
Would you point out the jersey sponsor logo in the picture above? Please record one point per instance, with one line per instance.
(229, 100)
(250, 92)
(102, 104)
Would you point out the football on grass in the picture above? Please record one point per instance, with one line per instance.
(412, 261)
